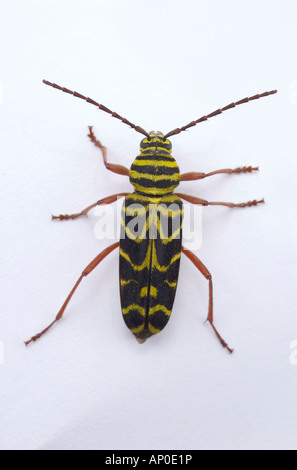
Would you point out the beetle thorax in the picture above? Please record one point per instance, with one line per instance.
(155, 172)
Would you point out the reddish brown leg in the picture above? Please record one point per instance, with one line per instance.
(119, 169)
(203, 202)
(193, 175)
(106, 200)
(85, 273)
(204, 271)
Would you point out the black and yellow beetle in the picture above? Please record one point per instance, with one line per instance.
(149, 265)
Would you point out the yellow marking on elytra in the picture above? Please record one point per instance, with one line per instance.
(156, 264)
(155, 222)
(141, 236)
(171, 284)
(162, 208)
(131, 235)
(151, 221)
(153, 330)
(136, 307)
(146, 262)
(153, 212)
(143, 292)
(138, 329)
(174, 236)
(133, 210)
(136, 267)
(124, 282)
(136, 175)
(168, 211)
(159, 307)
(153, 292)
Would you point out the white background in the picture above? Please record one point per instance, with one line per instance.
(88, 384)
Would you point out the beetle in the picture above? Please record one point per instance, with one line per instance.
(149, 265)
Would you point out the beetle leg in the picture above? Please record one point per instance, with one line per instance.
(203, 202)
(204, 271)
(85, 273)
(119, 169)
(193, 175)
(106, 200)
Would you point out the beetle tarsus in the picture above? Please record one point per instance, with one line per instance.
(68, 217)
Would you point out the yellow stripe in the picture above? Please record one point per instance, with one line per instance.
(151, 223)
(132, 236)
(162, 208)
(174, 236)
(132, 210)
(157, 138)
(136, 307)
(160, 149)
(171, 284)
(123, 282)
(167, 211)
(155, 262)
(155, 163)
(137, 329)
(154, 191)
(152, 199)
(153, 330)
(146, 262)
(136, 175)
(140, 267)
(153, 220)
(159, 307)
(172, 198)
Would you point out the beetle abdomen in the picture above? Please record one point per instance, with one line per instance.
(150, 250)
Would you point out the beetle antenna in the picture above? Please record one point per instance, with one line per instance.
(100, 106)
(219, 111)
